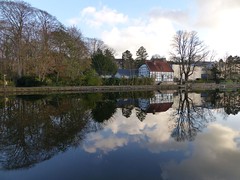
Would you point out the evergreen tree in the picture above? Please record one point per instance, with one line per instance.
(103, 62)
(127, 60)
(141, 56)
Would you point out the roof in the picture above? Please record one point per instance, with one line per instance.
(159, 66)
(162, 107)
(127, 72)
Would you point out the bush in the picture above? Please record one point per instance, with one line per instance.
(28, 81)
(131, 81)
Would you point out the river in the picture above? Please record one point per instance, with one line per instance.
(127, 135)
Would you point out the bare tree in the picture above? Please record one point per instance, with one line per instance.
(94, 44)
(43, 61)
(187, 52)
(16, 16)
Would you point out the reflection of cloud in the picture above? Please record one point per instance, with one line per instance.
(215, 156)
(105, 144)
(153, 134)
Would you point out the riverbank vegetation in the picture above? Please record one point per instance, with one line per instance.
(38, 50)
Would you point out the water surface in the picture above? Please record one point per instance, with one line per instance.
(141, 135)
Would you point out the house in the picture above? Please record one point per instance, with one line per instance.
(126, 73)
(201, 71)
(160, 70)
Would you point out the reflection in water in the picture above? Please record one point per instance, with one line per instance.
(161, 102)
(189, 118)
(36, 128)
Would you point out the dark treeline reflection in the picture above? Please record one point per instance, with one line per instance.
(191, 118)
(35, 128)
(230, 101)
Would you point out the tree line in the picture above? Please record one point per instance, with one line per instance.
(35, 46)
(37, 49)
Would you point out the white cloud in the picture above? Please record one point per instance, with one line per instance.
(209, 13)
(96, 18)
(176, 16)
(218, 20)
(155, 34)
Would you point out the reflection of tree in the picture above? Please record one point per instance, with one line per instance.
(33, 131)
(189, 119)
(127, 110)
(231, 102)
(104, 110)
(141, 115)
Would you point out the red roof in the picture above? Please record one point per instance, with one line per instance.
(162, 107)
(159, 66)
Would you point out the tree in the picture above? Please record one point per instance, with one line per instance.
(42, 62)
(141, 56)
(188, 51)
(231, 67)
(94, 44)
(215, 72)
(16, 17)
(157, 56)
(127, 60)
(103, 62)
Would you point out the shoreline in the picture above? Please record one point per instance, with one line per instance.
(81, 89)
(92, 89)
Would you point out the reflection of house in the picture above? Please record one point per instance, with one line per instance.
(159, 103)
(160, 70)
(126, 73)
(126, 102)
(156, 108)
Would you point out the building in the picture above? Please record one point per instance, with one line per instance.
(126, 73)
(160, 70)
(201, 71)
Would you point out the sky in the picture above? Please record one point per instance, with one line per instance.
(129, 24)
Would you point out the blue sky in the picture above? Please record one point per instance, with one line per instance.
(129, 24)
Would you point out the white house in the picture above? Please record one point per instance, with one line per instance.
(201, 70)
(160, 70)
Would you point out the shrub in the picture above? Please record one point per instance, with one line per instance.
(28, 81)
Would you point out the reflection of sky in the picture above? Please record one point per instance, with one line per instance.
(153, 133)
(128, 148)
(214, 154)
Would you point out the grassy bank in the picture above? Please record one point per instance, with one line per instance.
(83, 89)
(79, 89)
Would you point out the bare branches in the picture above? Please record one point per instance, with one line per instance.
(35, 43)
(188, 51)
